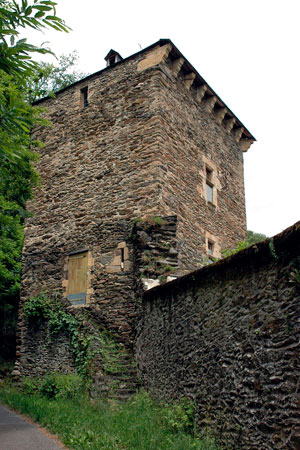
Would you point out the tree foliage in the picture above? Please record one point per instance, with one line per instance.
(17, 117)
(16, 54)
(49, 78)
(253, 237)
(16, 183)
(16, 67)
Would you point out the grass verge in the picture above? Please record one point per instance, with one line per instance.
(139, 423)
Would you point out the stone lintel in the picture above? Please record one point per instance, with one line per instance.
(201, 92)
(189, 79)
(210, 103)
(245, 144)
(220, 114)
(176, 65)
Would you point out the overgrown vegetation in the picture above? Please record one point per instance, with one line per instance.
(252, 238)
(295, 272)
(22, 79)
(51, 311)
(150, 222)
(16, 182)
(55, 386)
(85, 343)
(139, 423)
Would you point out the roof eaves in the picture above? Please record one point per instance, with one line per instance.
(88, 77)
(160, 42)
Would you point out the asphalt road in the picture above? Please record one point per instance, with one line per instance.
(17, 434)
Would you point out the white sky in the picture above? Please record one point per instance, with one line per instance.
(246, 50)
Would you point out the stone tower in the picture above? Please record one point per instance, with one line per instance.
(144, 145)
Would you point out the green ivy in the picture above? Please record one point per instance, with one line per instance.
(50, 310)
(84, 344)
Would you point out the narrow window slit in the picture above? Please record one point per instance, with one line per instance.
(209, 185)
(122, 258)
(84, 97)
(210, 248)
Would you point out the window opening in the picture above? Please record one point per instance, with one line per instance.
(210, 248)
(209, 185)
(122, 258)
(84, 97)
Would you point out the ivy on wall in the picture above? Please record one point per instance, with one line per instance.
(84, 343)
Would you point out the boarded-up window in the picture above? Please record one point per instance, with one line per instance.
(77, 278)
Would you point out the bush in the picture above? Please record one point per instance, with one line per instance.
(179, 416)
(31, 385)
(54, 386)
(5, 367)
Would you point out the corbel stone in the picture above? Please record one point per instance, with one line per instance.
(238, 134)
(245, 144)
(176, 66)
(229, 124)
(220, 114)
(200, 93)
(189, 79)
(210, 103)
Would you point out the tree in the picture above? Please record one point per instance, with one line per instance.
(17, 117)
(16, 66)
(253, 237)
(49, 78)
(15, 188)
(16, 55)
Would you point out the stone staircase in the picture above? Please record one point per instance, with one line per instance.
(124, 381)
(116, 379)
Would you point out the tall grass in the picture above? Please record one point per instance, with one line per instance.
(139, 423)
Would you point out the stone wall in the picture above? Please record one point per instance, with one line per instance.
(155, 251)
(98, 171)
(42, 355)
(228, 336)
(139, 149)
(150, 257)
(192, 139)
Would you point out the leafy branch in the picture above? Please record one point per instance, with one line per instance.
(15, 55)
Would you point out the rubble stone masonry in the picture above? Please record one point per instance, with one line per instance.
(139, 139)
(228, 337)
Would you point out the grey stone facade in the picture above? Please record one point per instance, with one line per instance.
(144, 138)
(228, 336)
